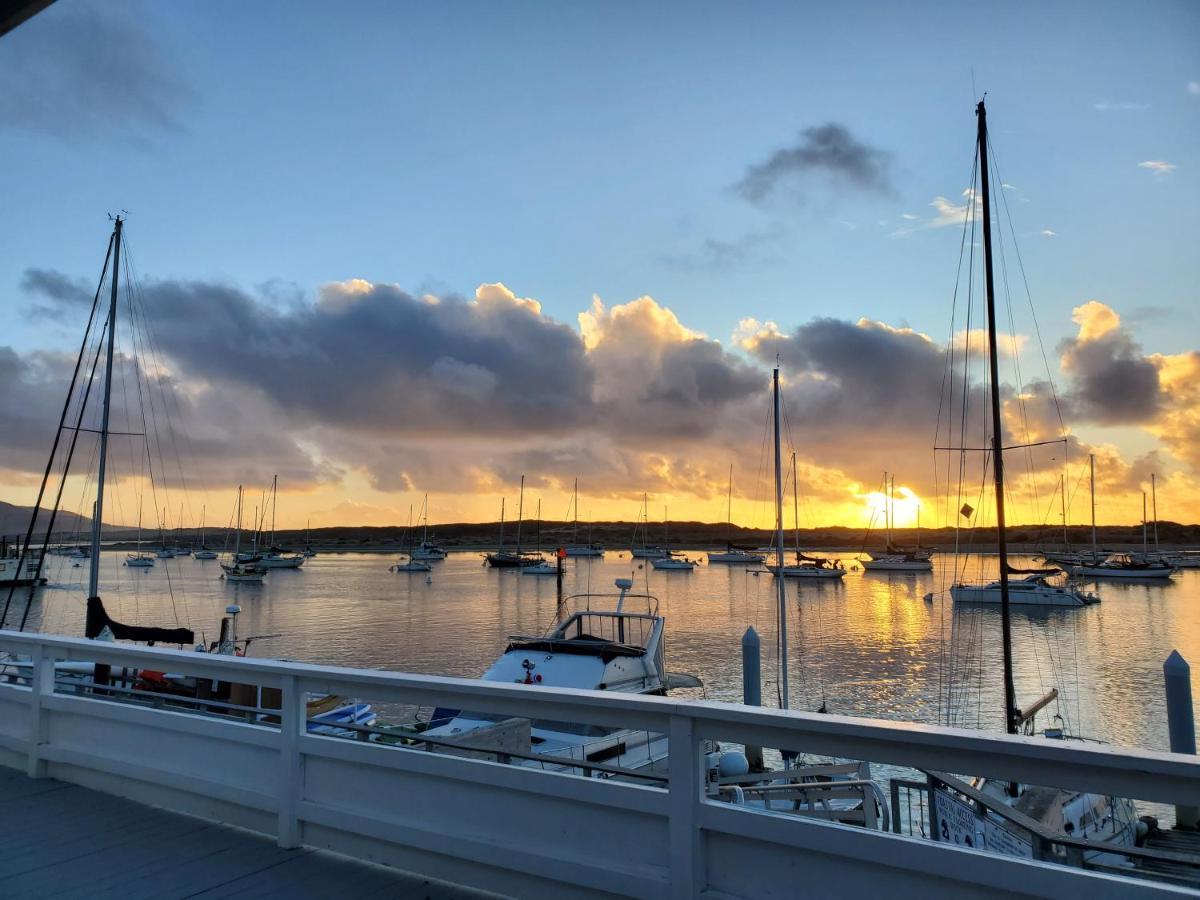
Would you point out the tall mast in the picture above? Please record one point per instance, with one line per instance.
(237, 535)
(1011, 713)
(729, 506)
(98, 516)
(425, 527)
(500, 549)
(887, 508)
(575, 530)
(795, 506)
(1144, 547)
(520, 512)
(780, 587)
(539, 527)
(1154, 506)
(1092, 467)
(275, 502)
(1062, 489)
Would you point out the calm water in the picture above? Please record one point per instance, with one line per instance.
(870, 646)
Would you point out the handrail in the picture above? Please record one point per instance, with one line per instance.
(1140, 774)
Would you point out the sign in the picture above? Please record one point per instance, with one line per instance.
(957, 821)
(1000, 839)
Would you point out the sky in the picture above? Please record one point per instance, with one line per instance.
(396, 249)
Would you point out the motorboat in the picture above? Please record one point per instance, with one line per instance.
(1032, 590)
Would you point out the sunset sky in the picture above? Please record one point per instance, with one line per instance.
(395, 249)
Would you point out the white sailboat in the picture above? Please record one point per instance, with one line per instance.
(427, 550)
(139, 560)
(590, 549)
(1073, 813)
(897, 559)
(818, 568)
(671, 561)
(410, 563)
(242, 569)
(542, 566)
(203, 551)
(274, 557)
(644, 551)
(732, 555)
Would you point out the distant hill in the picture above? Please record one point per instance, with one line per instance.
(14, 520)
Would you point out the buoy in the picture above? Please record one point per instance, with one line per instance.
(429, 579)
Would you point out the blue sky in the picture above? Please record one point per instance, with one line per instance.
(572, 149)
(577, 149)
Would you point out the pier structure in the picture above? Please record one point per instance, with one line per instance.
(485, 824)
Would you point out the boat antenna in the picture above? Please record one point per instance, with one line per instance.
(1011, 713)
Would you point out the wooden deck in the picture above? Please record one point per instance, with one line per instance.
(64, 841)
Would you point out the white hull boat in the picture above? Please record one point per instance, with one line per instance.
(413, 565)
(673, 564)
(896, 564)
(542, 568)
(593, 552)
(139, 562)
(737, 557)
(1120, 566)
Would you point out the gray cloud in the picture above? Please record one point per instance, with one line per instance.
(1112, 382)
(827, 154)
(82, 69)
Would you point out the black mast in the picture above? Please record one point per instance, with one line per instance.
(1011, 713)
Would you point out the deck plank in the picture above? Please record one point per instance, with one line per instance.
(73, 842)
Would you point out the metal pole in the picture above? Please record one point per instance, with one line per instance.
(98, 519)
(781, 587)
(1010, 702)
(752, 686)
(1177, 680)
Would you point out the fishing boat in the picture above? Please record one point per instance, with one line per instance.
(590, 549)
(427, 549)
(733, 555)
(512, 559)
(1072, 813)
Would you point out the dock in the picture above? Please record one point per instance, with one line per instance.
(67, 841)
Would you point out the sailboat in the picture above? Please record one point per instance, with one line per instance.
(203, 551)
(244, 567)
(732, 555)
(427, 549)
(97, 622)
(589, 549)
(671, 561)
(512, 559)
(898, 559)
(411, 564)
(274, 557)
(1081, 815)
(643, 524)
(541, 566)
(163, 551)
(818, 568)
(139, 560)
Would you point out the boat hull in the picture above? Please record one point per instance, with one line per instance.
(897, 565)
(1153, 573)
(734, 558)
(592, 552)
(1046, 596)
(808, 572)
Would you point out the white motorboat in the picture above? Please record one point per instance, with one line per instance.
(611, 649)
(1032, 590)
(673, 563)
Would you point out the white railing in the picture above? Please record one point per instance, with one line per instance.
(524, 831)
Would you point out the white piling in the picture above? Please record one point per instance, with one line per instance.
(752, 686)
(1181, 724)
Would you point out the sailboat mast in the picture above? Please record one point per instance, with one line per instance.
(887, 508)
(539, 527)
(425, 526)
(520, 512)
(1154, 506)
(1062, 489)
(1010, 705)
(275, 502)
(795, 507)
(1092, 467)
(1144, 547)
(98, 516)
(237, 535)
(500, 549)
(780, 587)
(575, 530)
(729, 506)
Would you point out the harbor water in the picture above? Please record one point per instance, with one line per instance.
(871, 645)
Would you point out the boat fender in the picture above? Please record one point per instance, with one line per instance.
(732, 762)
(929, 597)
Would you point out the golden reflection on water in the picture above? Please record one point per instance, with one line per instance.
(869, 646)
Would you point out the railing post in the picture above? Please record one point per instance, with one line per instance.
(293, 722)
(685, 783)
(41, 686)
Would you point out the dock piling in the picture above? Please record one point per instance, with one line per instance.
(1181, 725)
(752, 686)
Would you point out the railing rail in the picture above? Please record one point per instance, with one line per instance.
(522, 830)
